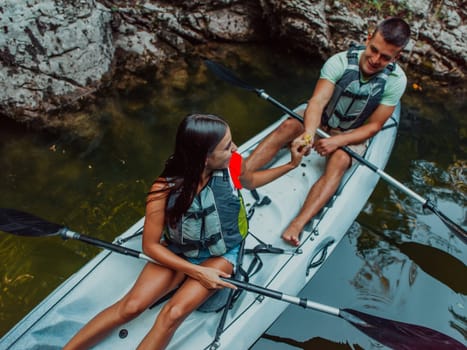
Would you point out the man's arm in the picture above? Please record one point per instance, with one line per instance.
(358, 135)
(318, 101)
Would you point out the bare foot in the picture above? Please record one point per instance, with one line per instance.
(292, 233)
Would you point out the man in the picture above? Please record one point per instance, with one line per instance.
(357, 92)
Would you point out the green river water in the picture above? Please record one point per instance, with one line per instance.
(397, 261)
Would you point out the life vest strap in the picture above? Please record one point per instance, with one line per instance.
(201, 213)
(354, 96)
(197, 244)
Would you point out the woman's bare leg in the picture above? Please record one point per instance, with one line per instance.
(153, 282)
(187, 299)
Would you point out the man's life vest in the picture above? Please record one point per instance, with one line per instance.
(216, 219)
(353, 102)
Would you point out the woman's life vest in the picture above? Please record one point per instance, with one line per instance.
(216, 219)
(353, 102)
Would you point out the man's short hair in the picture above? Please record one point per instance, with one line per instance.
(395, 31)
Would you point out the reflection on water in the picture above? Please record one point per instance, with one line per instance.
(432, 260)
(380, 280)
(399, 263)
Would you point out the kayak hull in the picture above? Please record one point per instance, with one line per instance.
(108, 276)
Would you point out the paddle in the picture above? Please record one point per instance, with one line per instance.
(397, 335)
(24, 224)
(228, 76)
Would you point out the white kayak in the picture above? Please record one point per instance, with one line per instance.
(108, 276)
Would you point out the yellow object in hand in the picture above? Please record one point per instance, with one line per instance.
(307, 139)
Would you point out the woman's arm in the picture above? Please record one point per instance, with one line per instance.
(153, 228)
(251, 180)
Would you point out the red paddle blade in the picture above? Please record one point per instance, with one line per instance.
(400, 335)
(24, 224)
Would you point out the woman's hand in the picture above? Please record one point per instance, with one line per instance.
(300, 146)
(297, 152)
(210, 278)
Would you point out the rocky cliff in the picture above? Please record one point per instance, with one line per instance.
(57, 54)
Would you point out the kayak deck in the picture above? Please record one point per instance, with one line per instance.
(108, 276)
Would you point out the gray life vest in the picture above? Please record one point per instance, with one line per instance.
(216, 219)
(353, 102)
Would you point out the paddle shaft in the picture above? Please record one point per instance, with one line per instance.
(68, 234)
(458, 230)
(291, 299)
(246, 286)
(65, 233)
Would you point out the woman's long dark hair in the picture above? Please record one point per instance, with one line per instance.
(197, 136)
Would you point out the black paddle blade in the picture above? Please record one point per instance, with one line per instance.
(400, 335)
(227, 75)
(455, 228)
(24, 224)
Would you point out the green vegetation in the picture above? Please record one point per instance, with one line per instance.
(380, 8)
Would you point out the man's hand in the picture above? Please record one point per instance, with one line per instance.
(326, 146)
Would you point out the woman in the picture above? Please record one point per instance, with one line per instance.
(179, 205)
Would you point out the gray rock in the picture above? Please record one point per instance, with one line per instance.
(58, 54)
(52, 53)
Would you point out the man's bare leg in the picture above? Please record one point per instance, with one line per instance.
(268, 148)
(319, 194)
